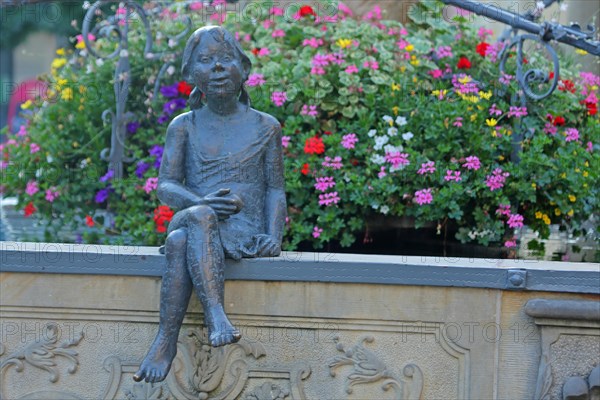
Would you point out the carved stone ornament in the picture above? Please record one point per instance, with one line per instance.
(42, 354)
(578, 388)
(268, 391)
(368, 368)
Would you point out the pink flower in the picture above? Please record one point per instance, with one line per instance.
(285, 141)
(436, 73)
(458, 122)
(427, 168)
(278, 33)
(511, 243)
(472, 163)
(402, 44)
(267, 23)
(423, 196)
(195, 6)
(349, 141)
(276, 11)
(151, 184)
(494, 110)
(452, 176)
(327, 199)
(374, 65)
(351, 69)
(381, 174)
(517, 112)
(324, 183)
(22, 131)
(496, 179)
(51, 194)
(589, 147)
(335, 163)
(443, 51)
(550, 129)
(255, 80)
(317, 232)
(311, 110)
(34, 148)
(32, 188)
(279, 98)
(483, 33)
(264, 52)
(505, 78)
(515, 221)
(344, 9)
(397, 159)
(313, 42)
(572, 135)
(3, 165)
(503, 209)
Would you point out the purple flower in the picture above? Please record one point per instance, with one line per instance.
(162, 119)
(102, 194)
(132, 127)
(141, 169)
(169, 91)
(173, 105)
(156, 151)
(108, 176)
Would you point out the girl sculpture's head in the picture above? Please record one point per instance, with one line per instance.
(214, 62)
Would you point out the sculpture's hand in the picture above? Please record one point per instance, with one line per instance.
(267, 246)
(224, 203)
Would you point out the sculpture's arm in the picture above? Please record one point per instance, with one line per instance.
(275, 204)
(171, 190)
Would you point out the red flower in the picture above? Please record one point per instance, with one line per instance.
(89, 221)
(482, 48)
(29, 209)
(306, 10)
(255, 51)
(592, 108)
(184, 88)
(162, 214)
(305, 169)
(558, 121)
(463, 63)
(314, 145)
(566, 85)
(327, 132)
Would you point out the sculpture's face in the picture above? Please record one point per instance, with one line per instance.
(217, 71)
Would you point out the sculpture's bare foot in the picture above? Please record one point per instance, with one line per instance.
(157, 363)
(220, 329)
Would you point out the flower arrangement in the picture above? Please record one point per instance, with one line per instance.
(378, 119)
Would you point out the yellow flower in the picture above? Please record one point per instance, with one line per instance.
(402, 68)
(60, 52)
(491, 122)
(552, 203)
(343, 43)
(571, 212)
(414, 61)
(465, 79)
(395, 87)
(580, 51)
(75, 144)
(585, 174)
(26, 105)
(485, 95)
(414, 79)
(557, 211)
(439, 93)
(572, 198)
(494, 133)
(395, 109)
(67, 94)
(538, 215)
(533, 185)
(472, 99)
(563, 175)
(80, 45)
(62, 82)
(410, 47)
(473, 117)
(501, 158)
(546, 219)
(81, 108)
(58, 62)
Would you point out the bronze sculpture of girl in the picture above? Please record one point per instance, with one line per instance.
(222, 168)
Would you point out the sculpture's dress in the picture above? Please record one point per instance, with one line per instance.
(247, 173)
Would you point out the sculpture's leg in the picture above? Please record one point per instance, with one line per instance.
(175, 293)
(206, 264)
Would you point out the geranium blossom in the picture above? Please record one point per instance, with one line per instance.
(496, 180)
(51, 194)
(397, 159)
(278, 33)
(285, 141)
(443, 51)
(255, 80)
(324, 183)
(511, 243)
(495, 110)
(374, 65)
(89, 221)
(463, 63)
(423, 196)
(458, 122)
(503, 209)
(162, 215)
(310, 110)
(427, 168)
(349, 141)
(34, 148)
(452, 176)
(32, 188)
(381, 174)
(351, 69)
(314, 145)
(335, 162)
(472, 163)
(517, 112)
(572, 135)
(313, 42)
(29, 209)
(279, 98)
(327, 199)
(317, 232)
(515, 221)
(151, 184)
(505, 79)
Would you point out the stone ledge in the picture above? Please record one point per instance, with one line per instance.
(314, 267)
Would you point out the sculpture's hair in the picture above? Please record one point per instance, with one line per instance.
(220, 34)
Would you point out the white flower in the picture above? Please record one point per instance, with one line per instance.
(377, 159)
(372, 132)
(89, 69)
(374, 206)
(86, 5)
(83, 163)
(171, 70)
(49, 158)
(384, 209)
(563, 6)
(400, 120)
(387, 118)
(99, 62)
(397, 168)
(472, 235)
(540, 5)
(124, 53)
(172, 42)
(347, 178)
(380, 141)
(149, 56)
(388, 148)
(392, 131)
(407, 136)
